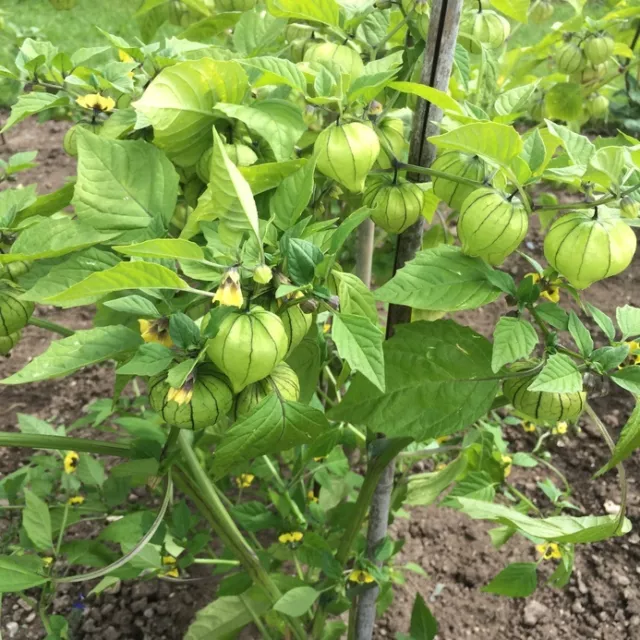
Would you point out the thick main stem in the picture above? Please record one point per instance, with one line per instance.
(436, 71)
(364, 251)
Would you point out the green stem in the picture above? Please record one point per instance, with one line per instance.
(302, 521)
(587, 205)
(62, 443)
(413, 168)
(390, 35)
(51, 326)
(63, 525)
(217, 561)
(256, 618)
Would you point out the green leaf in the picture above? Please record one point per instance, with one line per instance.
(439, 98)
(13, 201)
(90, 471)
(628, 319)
(124, 186)
(346, 228)
(513, 339)
(369, 85)
(297, 602)
(224, 616)
(517, 580)
(302, 257)
(49, 203)
(610, 357)
(359, 342)
(553, 315)
(602, 320)
(19, 573)
(134, 305)
(179, 103)
(31, 103)
(262, 177)
(256, 31)
(274, 71)
(424, 488)
(170, 248)
(564, 101)
(125, 275)
(184, 331)
(279, 122)
(177, 375)
(580, 335)
(423, 361)
(423, 624)
(306, 361)
(37, 521)
(355, 297)
(227, 197)
(607, 167)
(60, 276)
(628, 442)
(323, 11)
(77, 351)
(516, 9)
(579, 148)
(500, 143)
(273, 426)
(561, 529)
(628, 378)
(441, 279)
(515, 101)
(51, 238)
(149, 360)
(292, 196)
(559, 375)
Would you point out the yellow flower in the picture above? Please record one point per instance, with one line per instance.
(47, 561)
(229, 292)
(361, 577)
(560, 429)
(549, 551)
(124, 56)
(244, 480)
(549, 290)
(71, 462)
(506, 463)
(441, 466)
(292, 537)
(168, 560)
(172, 573)
(326, 327)
(182, 395)
(156, 331)
(312, 497)
(319, 458)
(529, 427)
(263, 274)
(75, 500)
(375, 108)
(443, 439)
(96, 102)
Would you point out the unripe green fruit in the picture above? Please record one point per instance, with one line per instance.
(180, 215)
(589, 74)
(598, 49)
(248, 346)
(396, 204)
(345, 57)
(283, 379)
(585, 249)
(629, 208)
(346, 153)
(570, 58)
(491, 29)
(543, 405)
(297, 31)
(421, 11)
(597, 106)
(13, 270)
(235, 5)
(458, 164)
(391, 130)
(14, 313)
(8, 342)
(296, 325)
(541, 12)
(179, 13)
(70, 142)
(203, 166)
(210, 400)
(490, 226)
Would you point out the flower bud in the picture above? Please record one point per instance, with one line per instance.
(263, 274)
(334, 303)
(310, 305)
(346, 153)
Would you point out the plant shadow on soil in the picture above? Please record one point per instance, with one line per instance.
(601, 602)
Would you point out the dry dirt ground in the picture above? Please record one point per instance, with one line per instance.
(601, 602)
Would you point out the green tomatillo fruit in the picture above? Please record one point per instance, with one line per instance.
(14, 313)
(490, 29)
(248, 346)
(8, 342)
(461, 165)
(540, 12)
(13, 270)
(296, 325)
(597, 106)
(282, 380)
(346, 153)
(199, 403)
(542, 405)
(391, 131)
(629, 208)
(598, 49)
(589, 74)
(585, 248)
(348, 60)
(570, 58)
(491, 226)
(396, 203)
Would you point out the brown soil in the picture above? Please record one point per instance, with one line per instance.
(601, 602)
